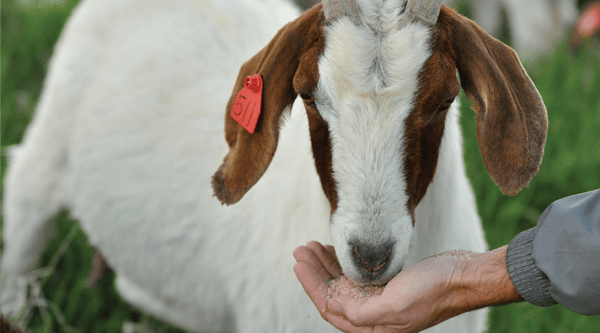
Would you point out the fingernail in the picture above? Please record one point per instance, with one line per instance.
(334, 307)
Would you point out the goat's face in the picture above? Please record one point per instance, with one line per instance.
(368, 95)
(376, 91)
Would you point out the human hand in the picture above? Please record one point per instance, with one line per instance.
(419, 297)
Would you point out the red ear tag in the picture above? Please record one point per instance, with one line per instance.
(246, 107)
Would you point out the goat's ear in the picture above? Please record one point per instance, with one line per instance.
(250, 154)
(511, 116)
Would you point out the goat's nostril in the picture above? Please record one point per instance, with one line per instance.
(373, 258)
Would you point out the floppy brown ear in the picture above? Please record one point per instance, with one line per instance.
(250, 154)
(511, 116)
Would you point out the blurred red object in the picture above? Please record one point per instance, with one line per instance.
(587, 25)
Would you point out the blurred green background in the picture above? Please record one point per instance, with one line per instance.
(569, 85)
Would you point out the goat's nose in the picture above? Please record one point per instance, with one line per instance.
(373, 259)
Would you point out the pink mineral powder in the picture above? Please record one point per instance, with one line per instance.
(344, 286)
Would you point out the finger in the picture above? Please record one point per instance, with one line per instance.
(375, 311)
(305, 254)
(314, 285)
(316, 289)
(327, 258)
(329, 249)
(344, 325)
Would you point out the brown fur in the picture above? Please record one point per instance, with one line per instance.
(283, 64)
(321, 148)
(425, 124)
(511, 117)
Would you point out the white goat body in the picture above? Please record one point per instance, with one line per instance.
(127, 135)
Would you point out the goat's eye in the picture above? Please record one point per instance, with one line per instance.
(444, 106)
(308, 100)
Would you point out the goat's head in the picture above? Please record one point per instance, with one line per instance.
(377, 78)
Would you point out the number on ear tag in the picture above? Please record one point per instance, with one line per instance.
(246, 107)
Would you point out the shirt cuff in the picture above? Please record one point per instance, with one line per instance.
(530, 282)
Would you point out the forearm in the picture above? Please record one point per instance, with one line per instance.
(483, 280)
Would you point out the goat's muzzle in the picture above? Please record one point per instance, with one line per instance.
(371, 260)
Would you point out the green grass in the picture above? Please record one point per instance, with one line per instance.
(570, 87)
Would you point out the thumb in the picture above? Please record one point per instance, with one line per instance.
(360, 312)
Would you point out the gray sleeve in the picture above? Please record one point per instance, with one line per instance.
(558, 261)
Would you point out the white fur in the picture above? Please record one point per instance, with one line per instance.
(129, 131)
(536, 26)
(368, 81)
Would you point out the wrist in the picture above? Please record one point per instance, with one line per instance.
(483, 280)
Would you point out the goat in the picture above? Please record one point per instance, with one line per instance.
(535, 25)
(128, 135)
